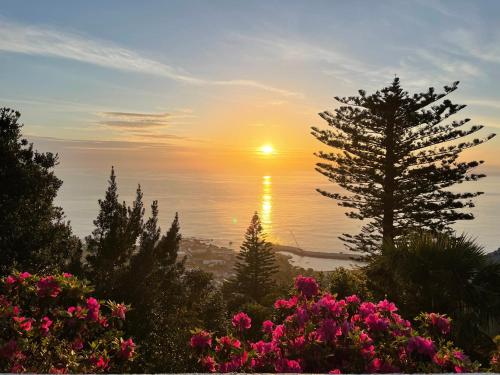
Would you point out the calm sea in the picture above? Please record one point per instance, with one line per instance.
(219, 207)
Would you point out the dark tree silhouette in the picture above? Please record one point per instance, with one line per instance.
(33, 233)
(396, 158)
(256, 263)
(113, 241)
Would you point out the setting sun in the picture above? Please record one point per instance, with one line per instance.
(266, 149)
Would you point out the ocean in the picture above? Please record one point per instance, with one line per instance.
(219, 207)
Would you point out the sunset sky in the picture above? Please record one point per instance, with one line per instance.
(203, 85)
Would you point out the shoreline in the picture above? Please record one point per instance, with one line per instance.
(288, 249)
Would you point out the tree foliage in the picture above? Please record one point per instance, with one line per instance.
(397, 157)
(33, 233)
(113, 241)
(256, 263)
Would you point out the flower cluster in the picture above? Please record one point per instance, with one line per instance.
(316, 332)
(49, 324)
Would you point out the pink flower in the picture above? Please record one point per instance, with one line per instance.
(307, 286)
(440, 322)
(119, 311)
(421, 345)
(387, 306)
(267, 326)
(376, 323)
(201, 340)
(286, 304)
(46, 323)
(208, 363)
(48, 286)
(284, 365)
(10, 280)
(329, 330)
(127, 348)
(67, 275)
(241, 321)
(101, 363)
(76, 311)
(335, 371)
(23, 276)
(24, 323)
(93, 307)
(226, 343)
(458, 369)
(354, 299)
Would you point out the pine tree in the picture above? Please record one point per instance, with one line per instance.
(256, 263)
(34, 235)
(113, 241)
(397, 158)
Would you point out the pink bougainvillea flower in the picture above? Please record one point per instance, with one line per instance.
(10, 280)
(387, 306)
(127, 348)
(67, 275)
(227, 343)
(48, 287)
(307, 286)
(201, 340)
(284, 365)
(335, 371)
(242, 321)
(101, 363)
(24, 323)
(267, 326)
(208, 362)
(24, 275)
(93, 307)
(354, 299)
(119, 311)
(45, 325)
(441, 322)
(421, 345)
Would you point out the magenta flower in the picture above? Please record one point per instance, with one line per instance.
(93, 307)
(441, 322)
(307, 286)
(354, 299)
(127, 348)
(119, 311)
(201, 340)
(421, 345)
(284, 365)
(45, 325)
(24, 323)
(24, 275)
(242, 321)
(48, 286)
(208, 363)
(267, 326)
(10, 280)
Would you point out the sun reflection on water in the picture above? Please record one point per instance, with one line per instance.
(266, 206)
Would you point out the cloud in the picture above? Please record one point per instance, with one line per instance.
(33, 40)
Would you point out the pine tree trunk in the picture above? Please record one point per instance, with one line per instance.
(389, 186)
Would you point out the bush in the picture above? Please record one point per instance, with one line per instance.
(50, 324)
(315, 332)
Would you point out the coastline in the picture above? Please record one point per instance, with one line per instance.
(315, 254)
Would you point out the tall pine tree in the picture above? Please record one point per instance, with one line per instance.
(397, 158)
(113, 241)
(256, 263)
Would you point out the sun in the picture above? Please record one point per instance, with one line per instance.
(266, 149)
